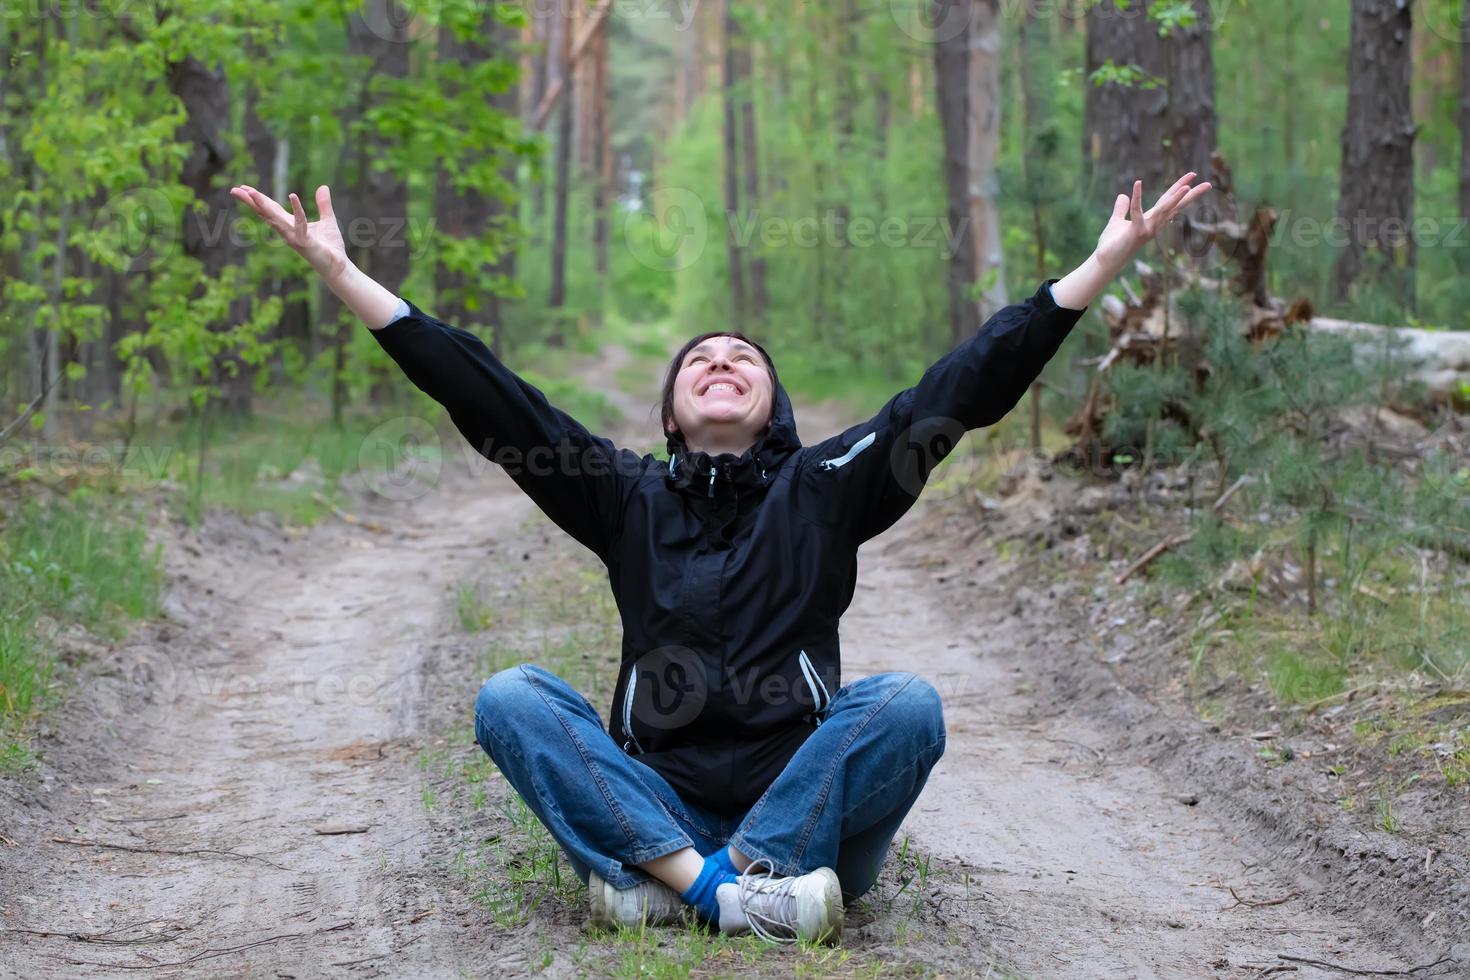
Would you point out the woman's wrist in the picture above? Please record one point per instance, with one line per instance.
(334, 270)
(1078, 288)
(373, 304)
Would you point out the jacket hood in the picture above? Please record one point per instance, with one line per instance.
(756, 467)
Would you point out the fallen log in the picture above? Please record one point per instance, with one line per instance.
(1442, 356)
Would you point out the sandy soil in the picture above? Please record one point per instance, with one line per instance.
(1094, 862)
(237, 789)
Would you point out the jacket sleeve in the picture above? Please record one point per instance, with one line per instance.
(868, 476)
(577, 479)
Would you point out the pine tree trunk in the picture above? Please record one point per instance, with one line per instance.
(558, 294)
(1464, 99)
(260, 146)
(295, 288)
(1038, 155)
(750, 162)
(545, 28)
(384, 255)
(1124, 127)
(1376, 195)
(380, 209)
(504, 212)
(952, 87)
(205, 95)
(602, 158)
(729, 80)
(1192, 122)
(984, 146)
(457, 214)
(1150, 134)
(844, 103)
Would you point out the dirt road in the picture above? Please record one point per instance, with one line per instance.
(1091, 862)
(239, 790)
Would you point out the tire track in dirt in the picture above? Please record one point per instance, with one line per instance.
(277, 735)
(1093, 864)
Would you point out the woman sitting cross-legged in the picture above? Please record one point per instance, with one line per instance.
(737, 776)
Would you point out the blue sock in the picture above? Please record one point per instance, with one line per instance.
(721, 858)
(701, 894)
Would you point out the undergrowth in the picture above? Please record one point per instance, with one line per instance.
(76, 560)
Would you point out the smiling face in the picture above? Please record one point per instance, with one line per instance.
(722, 396)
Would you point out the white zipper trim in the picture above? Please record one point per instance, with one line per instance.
(814, 683)
(628, 712)
(845, 458)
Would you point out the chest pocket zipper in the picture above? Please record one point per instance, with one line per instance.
(820, 698)
(628, 714)
(847, 457)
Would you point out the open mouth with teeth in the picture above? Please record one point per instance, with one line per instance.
(729, 386)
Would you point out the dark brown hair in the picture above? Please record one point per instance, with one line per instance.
(667, 400)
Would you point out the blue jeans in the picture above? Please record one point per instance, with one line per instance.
(837, 804)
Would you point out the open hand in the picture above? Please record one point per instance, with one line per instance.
(1131, 227)
(319, 242)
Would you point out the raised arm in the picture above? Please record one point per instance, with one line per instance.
(870, 474)
(320, 243)
(579, 480)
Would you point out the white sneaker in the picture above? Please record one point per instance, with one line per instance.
(651, 902)
(783, 910)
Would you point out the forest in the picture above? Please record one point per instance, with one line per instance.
(1210, 575)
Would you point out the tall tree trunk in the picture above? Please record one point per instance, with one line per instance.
(843, 35)
(602, 157)
(882, 114)
(916, 89)
(1465, 117)
(1040, 143)
(984, 147)
(268, 157)
(1149, 134)
(505, 212)
(1376, 196)
(546, 31)
(1123, 126)
(1193, 125)
(952, 87)
(688, 75)
(295, 287)
(750, 167)
(558, 294)
(732, 174)
(205, 94)
(382, 192)
(379, 196)
(457, 214)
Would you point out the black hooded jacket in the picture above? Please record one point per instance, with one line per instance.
(730, 573)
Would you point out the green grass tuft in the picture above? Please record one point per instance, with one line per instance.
(79, 560)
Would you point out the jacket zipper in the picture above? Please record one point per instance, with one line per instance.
(813, 683)
(628, 713)
(845, 458)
